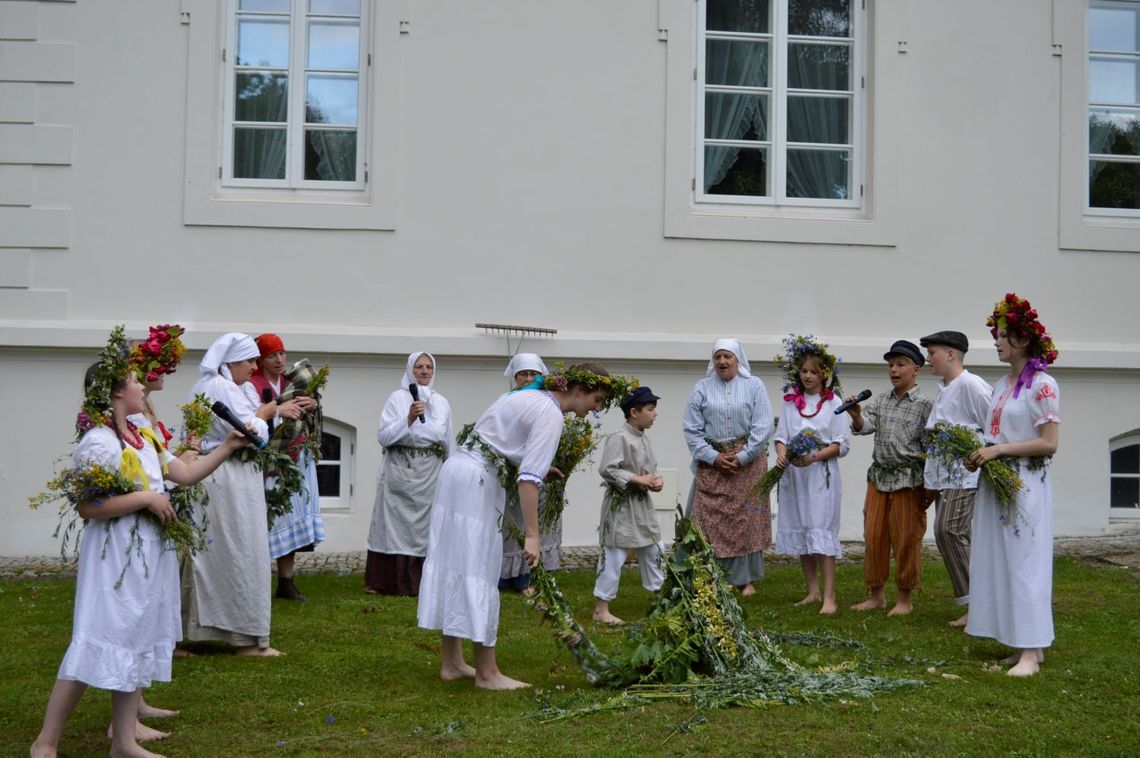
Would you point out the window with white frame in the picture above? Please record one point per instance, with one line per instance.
(1124, 473)
(295, 94)
(334, 469)
(1114, 107)
(780, 102)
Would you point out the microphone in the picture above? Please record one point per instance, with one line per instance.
(415, 390)
(267, 398)
(852, 403)
(222, 411)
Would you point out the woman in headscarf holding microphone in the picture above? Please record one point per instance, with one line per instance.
(727, 424)
(415, 432)
(226, 588)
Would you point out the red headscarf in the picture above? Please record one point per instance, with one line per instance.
(269, 343)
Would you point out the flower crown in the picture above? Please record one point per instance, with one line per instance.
(158, 354)
(1018, 317)
(796, 348)
(617, 387)
(114, 365)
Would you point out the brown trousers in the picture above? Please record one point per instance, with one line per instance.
(893, 521)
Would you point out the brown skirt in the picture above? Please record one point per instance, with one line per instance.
(391, 574)
(735, 522)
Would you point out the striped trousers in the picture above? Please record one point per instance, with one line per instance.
(953, 516)
(893, 522)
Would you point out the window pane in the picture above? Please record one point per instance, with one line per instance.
(273, 6)
(1114, 28)
(328, 480)
(259, 153)
(263, 42)
(1113, 81)
(1114, 131)
(1125, 493)
(330, 447)
(824, 120)
(262, 97)
(736, 63)
(822, 174)
(330, 155)
(330, 99)
(736, 171)
(819, 18)
(819, 66)
(1114, 185)
(334, 45)
(1126, 460)
(736, 117)
(737, 16)
(335, 7)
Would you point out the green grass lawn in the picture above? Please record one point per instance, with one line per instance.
(360, 679)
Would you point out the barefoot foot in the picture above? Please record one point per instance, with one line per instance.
(1027, 666)
(747, 590)
(869, 604)
(41, 751)
(1010, 660)
(454, 672)
(809, 599)
(901, 608)
(253, 651)
(607, 618)
(150, 712)
(829, 607)
(143, 733)
(498, 681)
(133, 751)
(961, 620)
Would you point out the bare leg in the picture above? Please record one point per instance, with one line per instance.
(453, 666)
(602, 612)
(827, 563)
(253, 651)
(64, 697)
(1028, 663)
(876, 600)
(124, 718)
(903, 605)
(810, 566)
(961, 621)
(487, 674)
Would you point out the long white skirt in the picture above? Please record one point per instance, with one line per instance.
(459, 592)
(1011, 566)
(809, 499)
(123, 639)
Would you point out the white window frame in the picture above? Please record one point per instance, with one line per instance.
(777, 90)
(211, 201)
(1079, 226)
(881, 73)
(297, 71)
(1128, 440)
(347, 435)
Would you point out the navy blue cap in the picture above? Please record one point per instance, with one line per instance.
(639, 396)
(907, 350)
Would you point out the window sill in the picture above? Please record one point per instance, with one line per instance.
(815, 226)
(292, 212)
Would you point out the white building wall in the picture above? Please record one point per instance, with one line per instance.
(531, 175)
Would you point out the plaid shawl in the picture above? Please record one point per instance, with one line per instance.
(294, 434)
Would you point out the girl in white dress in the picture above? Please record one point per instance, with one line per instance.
(122, 636)
(811, 491)
(459, 594)
(1011, 555)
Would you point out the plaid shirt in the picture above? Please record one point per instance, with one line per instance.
(899, 425)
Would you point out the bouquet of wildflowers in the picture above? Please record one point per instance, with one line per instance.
(574, 447)
(800, 446)
(197, 420)
(954, 443)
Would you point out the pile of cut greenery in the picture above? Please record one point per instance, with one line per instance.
(694, 645)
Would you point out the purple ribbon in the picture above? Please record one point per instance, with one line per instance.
(1032, 366)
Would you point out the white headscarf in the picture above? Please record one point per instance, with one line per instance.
(525, 362)
(424, 391)
(229, 348)
(734, 347)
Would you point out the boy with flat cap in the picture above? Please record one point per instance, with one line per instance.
(628, 520)
(894, 518)
(963, 398)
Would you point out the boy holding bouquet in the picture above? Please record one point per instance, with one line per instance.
(963, 399)
(894, 518)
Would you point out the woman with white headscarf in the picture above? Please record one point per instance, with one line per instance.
(726, 425)
(226, 588)
(415, 432)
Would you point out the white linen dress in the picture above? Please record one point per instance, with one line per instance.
(459, 589)
(1011, 560)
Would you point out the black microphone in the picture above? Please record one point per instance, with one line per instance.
(852, 403)
(267, 398)
(416, 396)
(222, 411)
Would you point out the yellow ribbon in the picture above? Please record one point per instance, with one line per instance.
(131, 466)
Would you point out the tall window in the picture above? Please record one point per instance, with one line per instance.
(334, 469)
(295, 94)
(1124, 470)
(780, 102)
(1114, 107)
